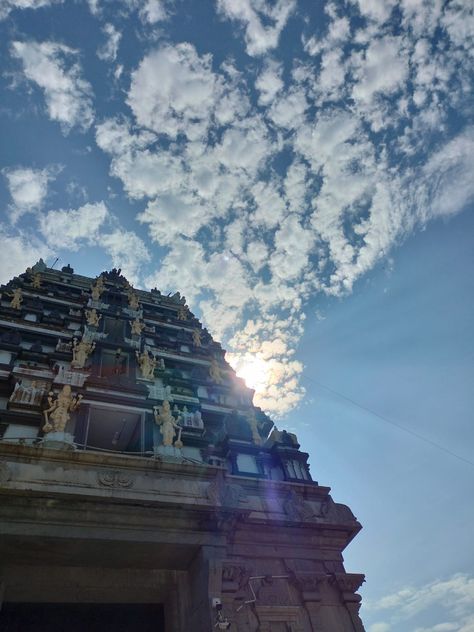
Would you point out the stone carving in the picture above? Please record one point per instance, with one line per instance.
(63, 347)
(133, 301)
(308, 583)
(137, 326)
(80, 352)
(147, 364)
(183, 313)
(25, 393)
(224, 494)
(17, 299)
(296, 508)
(57, 415)
(98, 288)
(177, 298)
(5, 472)
(168, 425)
(215, 372)
(189, 419)
(115, 479)
(273, 591)
(348, 582)
(197, 342)
(36, 282)
(283, 437)
(253, 423)
(92, 317)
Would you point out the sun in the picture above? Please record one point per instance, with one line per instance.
(253, 369)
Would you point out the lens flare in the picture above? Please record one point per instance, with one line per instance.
(253, 369)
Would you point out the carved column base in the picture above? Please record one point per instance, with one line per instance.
(167, 451)
(59, 441)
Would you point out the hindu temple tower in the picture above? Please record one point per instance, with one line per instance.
(140, 488)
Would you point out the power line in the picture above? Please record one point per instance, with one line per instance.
(389, 421)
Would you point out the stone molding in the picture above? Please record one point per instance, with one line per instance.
(224, 494)
(5, 472)
(115, 478)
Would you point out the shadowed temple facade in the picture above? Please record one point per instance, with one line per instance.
(140, 488)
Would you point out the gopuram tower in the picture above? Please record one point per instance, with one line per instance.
(140, 488)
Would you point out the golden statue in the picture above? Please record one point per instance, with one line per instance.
(133, 301)
(215, 372)
(36, 283)
(147, 365)
(97, 289)
(57, 415)
(197, 338)
(80, 352)
(93, 317)
(168, 425)
(137, 326)
(17, 299)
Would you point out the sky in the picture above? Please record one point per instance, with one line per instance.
(302, 172)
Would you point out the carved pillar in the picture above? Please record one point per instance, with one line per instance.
(348, 583)
(308, 585)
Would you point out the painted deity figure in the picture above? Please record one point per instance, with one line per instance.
(215, 372)
(97, 289)
(36, 283)
(168, 426)
(147, 364)
(137, 326)
(60, 407)
(92, 317)
(80, 352)
(133, 301)
(17, 298)
(197, 338)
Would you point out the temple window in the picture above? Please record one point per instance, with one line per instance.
(117, 430)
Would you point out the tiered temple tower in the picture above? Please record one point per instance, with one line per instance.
(139, 486)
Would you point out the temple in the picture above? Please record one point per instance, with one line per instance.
(140, 488)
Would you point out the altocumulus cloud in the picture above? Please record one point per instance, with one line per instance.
(263, 178)
(249, 242)
(55, 69)
(451, 600)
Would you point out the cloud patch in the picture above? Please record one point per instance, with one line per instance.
(28, 189)
(55, 69)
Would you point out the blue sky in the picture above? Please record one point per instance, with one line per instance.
(302, 172)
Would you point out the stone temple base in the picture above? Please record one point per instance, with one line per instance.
(59, 441)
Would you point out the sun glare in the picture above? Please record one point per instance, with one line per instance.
(253, 369)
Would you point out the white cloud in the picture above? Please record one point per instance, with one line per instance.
(70, 229)
(259, 37)
(153, 11)
(377, 10)
(449, 174)
(269, 82)
(18, 252)
(28, 188)
(127, 252)
(453, 599)
(174, 91)
(384, 69)
(259, 207)
(54, 68)
(6, 6)
(379, 627)
(108, 52)
(92, 225)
